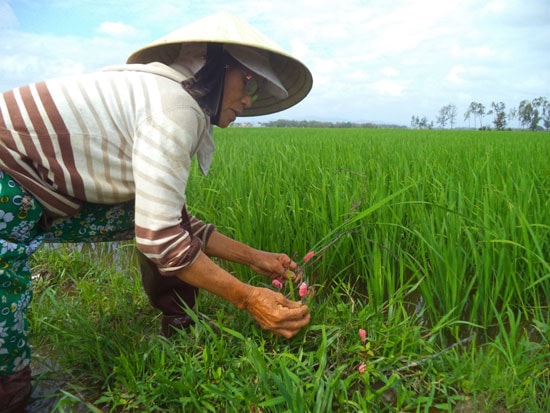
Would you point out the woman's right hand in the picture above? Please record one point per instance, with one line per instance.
(274, 312)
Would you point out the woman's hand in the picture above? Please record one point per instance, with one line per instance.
(275, 266)
(276, 313)
(270, 264)
(271, 310)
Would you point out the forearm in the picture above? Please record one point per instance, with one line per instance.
(270, 264)
(221, 246)
(205, 274)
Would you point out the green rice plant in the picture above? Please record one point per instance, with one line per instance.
(448, 226)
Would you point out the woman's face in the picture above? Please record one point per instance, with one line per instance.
(239, 92)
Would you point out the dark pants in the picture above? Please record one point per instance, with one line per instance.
(168, 294)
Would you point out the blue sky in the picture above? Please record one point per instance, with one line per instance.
(372, 61)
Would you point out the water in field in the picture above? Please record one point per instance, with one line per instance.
(48, 383)
(49, 379)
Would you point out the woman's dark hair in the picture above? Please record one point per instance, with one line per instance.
(206, 86)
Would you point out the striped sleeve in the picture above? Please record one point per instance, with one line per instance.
(201, 229)
(175, 252)
(160, 175)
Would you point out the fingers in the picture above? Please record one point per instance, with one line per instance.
(286, 266)
(297, 274)
(276, 313)
(291, 330)
(291, 326)
(288, 263)
(273, 265)
(287, 304)
(294, 276)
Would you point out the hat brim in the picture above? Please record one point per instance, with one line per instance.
(228, 29)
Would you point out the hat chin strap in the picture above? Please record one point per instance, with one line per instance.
(215, 118)
(207, 85)
(215, 80)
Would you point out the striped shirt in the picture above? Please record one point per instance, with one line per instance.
(128, 132)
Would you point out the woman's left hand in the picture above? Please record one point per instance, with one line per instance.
(275, 266)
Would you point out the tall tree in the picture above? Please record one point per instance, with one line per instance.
(546, 114)
(421, 123)
(471, 111)
(452, 114)
(525, 113)
(539, 105)
(499, 115)
(480, 111)
(443, 117)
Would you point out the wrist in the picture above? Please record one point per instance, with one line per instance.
(252, 257)
(223, 247)
(240, 296)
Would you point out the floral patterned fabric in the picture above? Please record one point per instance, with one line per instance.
(95, 223)
(20, 237)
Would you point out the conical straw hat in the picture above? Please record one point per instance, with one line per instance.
(225, 28)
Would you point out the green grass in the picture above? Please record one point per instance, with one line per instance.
(435, 242)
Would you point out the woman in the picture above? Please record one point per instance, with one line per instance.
(107, 155)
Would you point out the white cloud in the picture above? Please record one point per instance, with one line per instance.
(389, 87)
(300, 49)
(118, 29)
(357, 76)
(454, 75)
(493, 7)
(7, 16)
(389, 71)
(473, 52)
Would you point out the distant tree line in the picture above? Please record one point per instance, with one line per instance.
(533, 115)
(284, 123)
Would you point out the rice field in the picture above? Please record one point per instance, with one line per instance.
(464, 215)
(435, 243)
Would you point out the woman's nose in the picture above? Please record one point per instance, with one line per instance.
(247, 100)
